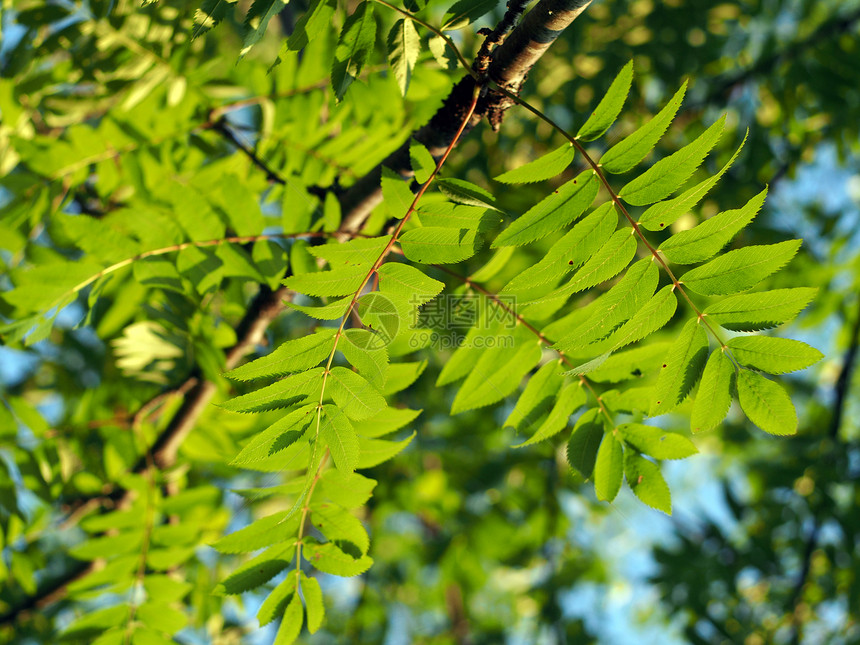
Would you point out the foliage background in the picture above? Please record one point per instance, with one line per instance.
(473, 542)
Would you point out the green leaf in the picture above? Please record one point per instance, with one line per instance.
(572, 397)
(95, 622)
(404, 46)
(258, 570)
(353, 394)
(647, 483)
(331, 311)
(161, 617)
(615, 307)
(464, 12)
(338, 282)
(631, 364)
(292, 356)
(436, 245)
(538, 394)
(496, 374)
(257, 20)
(349, 490)
(608, 468)
(354, 47)
(662, 214)
(276, 602)
(773, 355)
(542, 168)
(766, 403)
(328, 558)
(263, 444)
(385, 422)
(740, 269)
(261, 533)
(404, 281)
(681, 369)
(366, 352)
(494, 265)
(291, 624)
(396, 194)
(570, 251)
(584, 442)
(708, 238)
(628, 152)
(340, 437)
(338, 525)
(610, 105)
(402, 375)
(377, 451)
(464, 192)
(608, 262)
(284, 393)
(312, 22)
(443, 53)
(361, 252)
(423, 163)
(764, 310)
(656, 442)
(210, 14)
(563, 207)
(166, 588)
(654, 315)
(448, 215)
(714, 397)
(666, 176)
(314, 606)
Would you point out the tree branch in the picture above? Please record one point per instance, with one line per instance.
(511, 63)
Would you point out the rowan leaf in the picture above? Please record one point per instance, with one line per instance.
(338, 282)
(331, 311)
(608, 468)
(312, 22)
(605, 264)
(437, 245)
(354, 47)
(584, 442)
(763, 310)
(682, 368)
(404, 46)
(540, 392)
(766, 403)
(708, 238)
(556, 211)
(292, 389)
(662, 214)
(652, 316)
(464, 192)
(656, 442)
(464, 12)
(406, 282)
(258, 570)
(340, 437)
(773, 355)
(668, 174)
(396, 194)
(361, 252)
(377, 451)
(614, 307)
(610, 105)
(276, 602)
(261, 533)
(291, 623)
(353, 394)
(740, 269)
(571, 398)
(628, 152)
(714, 396)
(385, 422)
(314, 605)
(542, 168)
(423, 163)
(647, 483)
(338, 525)
(257, 20)
(329, 558)
(570, 252)
(292, 356)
